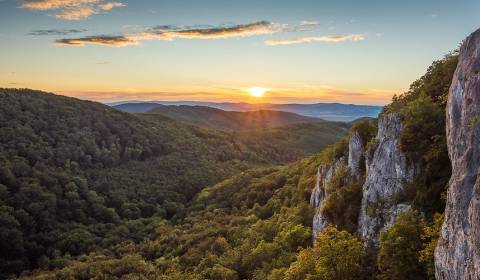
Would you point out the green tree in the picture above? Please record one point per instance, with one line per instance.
(430, 235)
(337, 255)
(399, 249)
(342, 205)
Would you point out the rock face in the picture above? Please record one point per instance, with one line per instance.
(324, 175)
(355, 154)
(458, 251)
(387, 174)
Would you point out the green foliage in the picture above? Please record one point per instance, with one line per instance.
(399, 249)
(250, 226)
(407, 248)
(367, 129)
(435, 84)
(336, 255)
(131, 266)
(78, 176)
(422, 121)
(430, 235)
(423, 137)
(334, 152)
(300, 139)
(342, 205)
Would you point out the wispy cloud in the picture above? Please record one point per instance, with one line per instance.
(169, 33)
(102, 62)
(110, 5)
(242, 30)
(309, 22)
(326, 38)
(71, 9)
(48, 32)
(101, 40)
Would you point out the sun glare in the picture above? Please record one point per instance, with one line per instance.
(257, 91)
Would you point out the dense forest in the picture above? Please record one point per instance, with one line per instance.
(78, 176)
(87, 191)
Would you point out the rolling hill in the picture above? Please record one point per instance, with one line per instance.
(230, 120)
(325, 111)
(77, 176)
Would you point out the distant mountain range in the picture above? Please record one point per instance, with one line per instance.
(326, 111)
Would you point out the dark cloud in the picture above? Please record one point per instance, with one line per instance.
(58, 32)
(102, 40)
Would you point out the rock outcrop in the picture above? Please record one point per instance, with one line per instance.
(356, 154)
(388, 171)
(457, 256)
(324, 175)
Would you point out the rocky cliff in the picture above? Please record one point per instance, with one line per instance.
(356, 154)
(388, 172)
(324, 175)
(458, 251)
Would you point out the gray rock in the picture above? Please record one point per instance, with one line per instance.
(355, 154)
(324, 175)
(458, 251)
(387, 174)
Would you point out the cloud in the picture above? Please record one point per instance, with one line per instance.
(71, 9)
(170, 32)
(242, 30)
(102, 40)
(326, 38)
(47, 32)
(309, 22)
(110, 5)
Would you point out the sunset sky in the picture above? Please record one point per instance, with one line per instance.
(298, 51)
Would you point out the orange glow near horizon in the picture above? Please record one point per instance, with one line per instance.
(222, 93)
(240, 94)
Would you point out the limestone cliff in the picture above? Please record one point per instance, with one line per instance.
(324, 175)
(458, 250)
(388, 171)
(355, 154)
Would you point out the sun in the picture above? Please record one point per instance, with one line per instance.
(257, 91)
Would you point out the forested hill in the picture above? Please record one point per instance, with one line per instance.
(325, 111)
(231, 120)
(258, 223)
(77, 176)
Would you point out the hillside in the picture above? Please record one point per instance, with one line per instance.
(259, 225)
(325, 111)
(76, 176)
(301, 140)
(230, 120)
(241, 228)
(369, 206)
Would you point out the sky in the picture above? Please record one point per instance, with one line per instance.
(308, 51)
